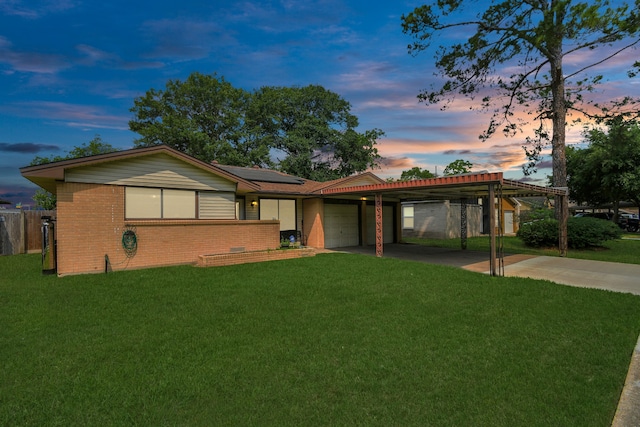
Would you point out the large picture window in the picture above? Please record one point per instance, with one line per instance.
(281, 209)
(143, 202)
(152, 203)
(178, 204)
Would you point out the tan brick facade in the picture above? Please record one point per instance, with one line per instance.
(313, 222)
(91, 222)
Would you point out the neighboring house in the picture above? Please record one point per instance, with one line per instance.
(439, 219)
(508, 215)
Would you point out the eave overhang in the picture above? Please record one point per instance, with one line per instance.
(464, 186)
(46, 175)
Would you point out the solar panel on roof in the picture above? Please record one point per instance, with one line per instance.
(262, 175)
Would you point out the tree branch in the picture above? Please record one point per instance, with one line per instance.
(598, 62)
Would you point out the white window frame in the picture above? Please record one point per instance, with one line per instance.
(408, 220)
(159, 203)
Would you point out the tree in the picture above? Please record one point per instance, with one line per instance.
(583, 176)
(608, 170)
(46, 200)
(314, 132)
(457, 167)
(310, 130)
(94, 147)
(533, 38)
(415, 173)
(202, 117)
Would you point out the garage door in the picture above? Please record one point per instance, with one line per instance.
(387, 224)
(341, 226)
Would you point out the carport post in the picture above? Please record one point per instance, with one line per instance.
(463, 224)
(379, 235)
(492, 230)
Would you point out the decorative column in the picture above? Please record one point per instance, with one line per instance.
(379, 235)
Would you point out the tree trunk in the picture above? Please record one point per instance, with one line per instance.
(559, 115)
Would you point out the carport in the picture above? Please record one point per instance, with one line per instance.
(491, 186)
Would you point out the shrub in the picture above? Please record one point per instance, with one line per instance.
(539, 233)
(581, 232)
(584, 232)
(535, 214)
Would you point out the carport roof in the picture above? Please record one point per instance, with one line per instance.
(465, 186)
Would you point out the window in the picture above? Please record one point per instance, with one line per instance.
(150, 203)
(143, 202)
(281, 209)
(407, 217)
(217, 205)
(178, 204)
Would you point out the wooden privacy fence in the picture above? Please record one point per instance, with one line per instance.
(20, 231)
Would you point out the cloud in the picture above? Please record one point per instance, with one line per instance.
(34, 9)
(92, 56)
(18, 194)
(34, 62)
(184, 39)
(457, 152)
(396, 163)
(27, 147)
(289, 16)
(49, 64)
(545, 164)
(73, 115)
(15, 194)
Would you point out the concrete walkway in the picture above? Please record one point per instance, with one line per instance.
(609, 276)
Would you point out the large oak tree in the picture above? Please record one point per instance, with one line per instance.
(305, 131)
(202, 116)
(313, 132)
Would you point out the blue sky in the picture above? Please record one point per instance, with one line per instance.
(70, 69)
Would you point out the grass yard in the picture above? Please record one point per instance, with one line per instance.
(336, 339)
(623, 250)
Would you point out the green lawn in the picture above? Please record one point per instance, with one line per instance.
(336, 339)
(623, 250)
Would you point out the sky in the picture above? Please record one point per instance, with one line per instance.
(70, 70)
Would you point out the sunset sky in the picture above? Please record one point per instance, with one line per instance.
(70, 70)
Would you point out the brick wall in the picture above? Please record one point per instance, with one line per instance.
(257, 256)
(90, 225)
